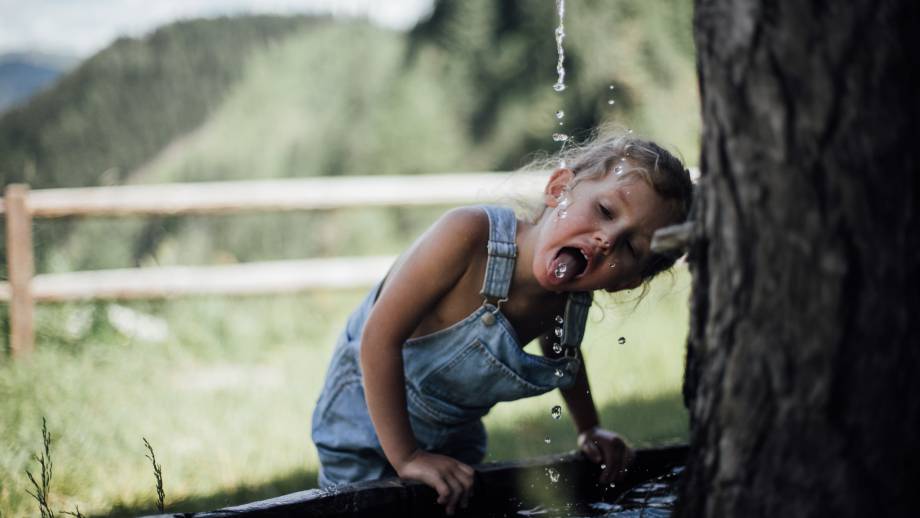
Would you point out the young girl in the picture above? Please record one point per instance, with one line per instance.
(440, 340)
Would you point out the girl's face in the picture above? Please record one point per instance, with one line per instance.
(597, 232)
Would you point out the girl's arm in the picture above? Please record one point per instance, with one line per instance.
(599, 445)
(425, 274)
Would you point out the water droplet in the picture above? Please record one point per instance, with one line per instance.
(553, 475)
(621, 340)
(559, 319)
(559, 272)
(547, 440)
(610, 101)
(618, 170)
(557, 348)
(613, 484)
(559, 373)
(558, 330)
(556, 412)
(613, 265)
(611, 87)
(560, 137)
(559, 87)
(603, 466)
(560, 114)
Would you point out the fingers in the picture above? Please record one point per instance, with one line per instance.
(467, 480)
(608, 449)
(592, 451)
(617, 457)
(453, 480)
(443, 489)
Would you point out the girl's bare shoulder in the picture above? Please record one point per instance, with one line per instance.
(465, 228)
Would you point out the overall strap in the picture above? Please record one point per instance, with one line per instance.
(575, 318)
(502, 253)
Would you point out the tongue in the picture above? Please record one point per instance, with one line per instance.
(569, 263)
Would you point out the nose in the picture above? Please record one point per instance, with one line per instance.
(602, 241)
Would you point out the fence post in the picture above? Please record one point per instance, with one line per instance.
(20, 268)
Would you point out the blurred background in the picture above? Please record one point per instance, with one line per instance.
(113, 92)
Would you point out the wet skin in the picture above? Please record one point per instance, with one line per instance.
(609, 220)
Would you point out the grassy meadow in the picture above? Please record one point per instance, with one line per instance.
(225, 400)
(223, 388)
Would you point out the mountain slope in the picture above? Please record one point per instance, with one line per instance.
(124, 104)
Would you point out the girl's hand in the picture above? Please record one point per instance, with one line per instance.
(609, 449)
(452, 479)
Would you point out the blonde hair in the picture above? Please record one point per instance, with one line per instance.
(614, 151)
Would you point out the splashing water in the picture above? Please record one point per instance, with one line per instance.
(556, 412)
(562, 208)
(553, 475)
(560, 35)
(547, 440)
(621, 340)
(560, 114)
(559, 272)
(560, 137)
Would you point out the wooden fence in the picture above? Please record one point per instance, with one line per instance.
(20, 205)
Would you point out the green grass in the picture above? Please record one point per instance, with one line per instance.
(225, 401)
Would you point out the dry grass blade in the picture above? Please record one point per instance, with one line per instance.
(158, 475)
(43, 489)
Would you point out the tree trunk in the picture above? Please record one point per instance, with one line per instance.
(803, 365)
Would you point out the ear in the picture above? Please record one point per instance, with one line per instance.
(556, 185)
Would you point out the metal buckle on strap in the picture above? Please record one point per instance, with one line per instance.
(489, 317)
(497, 304)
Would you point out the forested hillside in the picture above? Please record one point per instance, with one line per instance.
(470, 88)
(123, 105)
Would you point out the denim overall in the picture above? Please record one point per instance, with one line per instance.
(453, 376)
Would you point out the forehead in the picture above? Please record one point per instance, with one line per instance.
(634, 196)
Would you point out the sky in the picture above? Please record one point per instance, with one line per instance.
(83, 27)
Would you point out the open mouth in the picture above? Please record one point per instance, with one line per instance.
(569, 264)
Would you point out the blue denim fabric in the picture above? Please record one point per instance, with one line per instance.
(453, 376)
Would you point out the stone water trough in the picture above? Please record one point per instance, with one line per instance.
(519, 488)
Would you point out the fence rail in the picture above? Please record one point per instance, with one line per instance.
(20, 205)
(280, 195)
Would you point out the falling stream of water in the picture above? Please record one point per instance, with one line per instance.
(560, 35)
(654, 498)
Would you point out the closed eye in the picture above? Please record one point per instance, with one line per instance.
(605, 211)
(631, 249)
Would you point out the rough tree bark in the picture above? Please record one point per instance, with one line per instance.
(803, 367)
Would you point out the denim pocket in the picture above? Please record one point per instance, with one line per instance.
(342, 420)
(473, 381)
